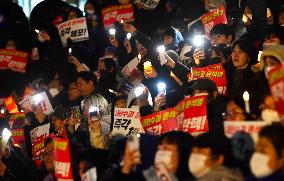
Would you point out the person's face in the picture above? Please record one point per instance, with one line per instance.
(240, 58)
(234, 112)
(48, 157)
(210, 161)
(269, 102)
(270, 61)
(89, 6)
(120, 103)
(85, 88)
(168, 40)
(73, 92)
(172, 168)
(11, 45)
(265, 146)
(72, 15)
(220, 39)
(272, 39)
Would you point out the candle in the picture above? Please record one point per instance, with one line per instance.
(139, 57)
(246, 99)
(36, 30)
(161, 49)
(6, 134)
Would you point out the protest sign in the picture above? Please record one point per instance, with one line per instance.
(11, 105)
(150, 4)
(14, 60)
(126, 121)
(212, 19)
(90, 175)
(62, 160)
(251, 127)
(75, 29)
(117, 13)
(39, 99)
(276, 82)
(38, 136)
(190, 115)
(18, 136)
(216, 73)
(130, 67)
(16, 120)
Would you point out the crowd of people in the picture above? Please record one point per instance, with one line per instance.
(89, 73)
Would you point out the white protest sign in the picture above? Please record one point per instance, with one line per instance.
(75, 29)
(126, 121)
(90, 175)
(128, 69)
(39, 132)
(150, 4)
(251, 127)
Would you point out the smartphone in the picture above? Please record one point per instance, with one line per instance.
(94, 112)
(133, 142)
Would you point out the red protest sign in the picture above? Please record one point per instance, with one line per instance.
(62, 159)
(11, 105)
(193, 115)
(117, 13)
(216, 73)
(276, 83)
(18, 136)
(212, 19)
(190, 115)
(14, 60)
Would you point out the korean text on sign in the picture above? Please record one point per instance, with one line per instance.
(14, 60)
(75, 29)
(212, 19)
(117, 13)
(127, 121)
(62, 159)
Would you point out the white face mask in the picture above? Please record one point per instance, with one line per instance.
(259, 165)
(90, 11)
(266, 70)
(270, 115)
(53, 91)
(197, 165)
(163, 156)
(40, 38)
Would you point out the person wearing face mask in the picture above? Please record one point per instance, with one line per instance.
(212, 159)
(268, 112)
(267, 162)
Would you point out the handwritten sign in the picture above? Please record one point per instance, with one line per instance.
(127, 121)
(117, 13)
(14, 60)
(75, 29)
(212, 19)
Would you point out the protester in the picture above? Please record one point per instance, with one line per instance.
(116, 90)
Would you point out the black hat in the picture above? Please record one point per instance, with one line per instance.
(203, 84)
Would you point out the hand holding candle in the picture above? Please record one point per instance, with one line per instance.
(6, 134)
(246, 99)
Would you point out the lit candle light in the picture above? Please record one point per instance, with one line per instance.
(246, 99)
